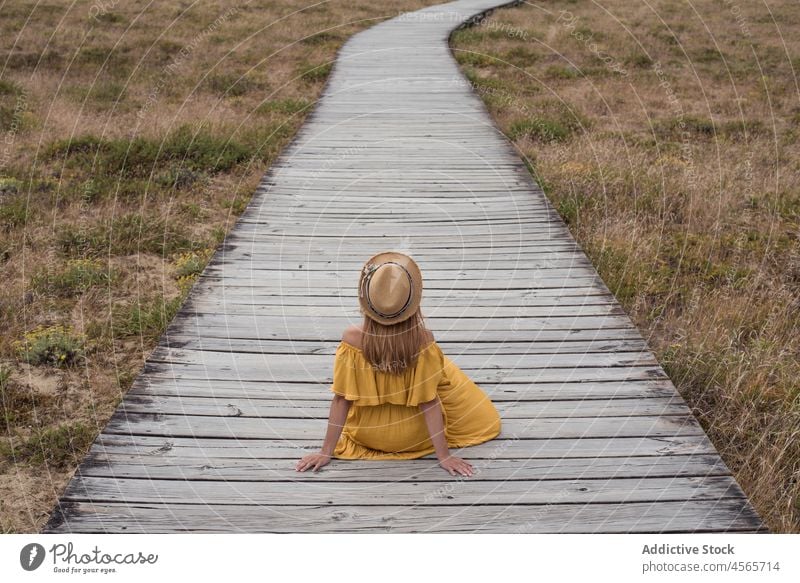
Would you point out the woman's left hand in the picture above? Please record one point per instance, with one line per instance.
(312, 460)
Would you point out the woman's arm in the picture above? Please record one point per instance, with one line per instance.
(435, 422)
(336, 420)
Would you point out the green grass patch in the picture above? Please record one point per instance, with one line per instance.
(58, 447)
(192, 263)
(520, 56)
(677, 128)
(562, 72)
(321, 37)
(188, 266)
(698, 257)
(288, 106)
(184, 147)
(148, 318)
(107, 17)
(539, 129)
(8, 87)
(621, 274)
(569, 209)
(707, 55)
(22, 60)
(12, 107)
(52, 346)
(739, 130)
(77, 276)
(474, 58)
(236, 204)
(126, 235)
(555, 121)
(14, 212)
(96, 188)
(638, 61)
(467, 35)
(100, 94)
(180, 178)
(313, 73)
(229, 84)
(107, 57)
(10, 186)
(787, 205)
(487, 84)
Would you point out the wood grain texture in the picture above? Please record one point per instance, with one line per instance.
(400, 153)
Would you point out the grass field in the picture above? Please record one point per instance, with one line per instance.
(133, 135)
(666, 136)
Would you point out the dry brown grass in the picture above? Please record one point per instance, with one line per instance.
(105, 77)
(665, 134)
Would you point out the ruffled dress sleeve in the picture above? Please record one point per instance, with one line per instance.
(356, 380)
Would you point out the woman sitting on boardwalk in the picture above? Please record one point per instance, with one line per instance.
(396, 395)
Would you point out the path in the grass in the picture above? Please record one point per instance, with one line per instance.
(400, 153)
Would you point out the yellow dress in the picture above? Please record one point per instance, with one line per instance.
(385, 421)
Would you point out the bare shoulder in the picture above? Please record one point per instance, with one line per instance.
(352, 335)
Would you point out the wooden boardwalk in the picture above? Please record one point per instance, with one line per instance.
(401, 154)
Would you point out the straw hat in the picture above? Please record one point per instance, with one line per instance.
(390, 287)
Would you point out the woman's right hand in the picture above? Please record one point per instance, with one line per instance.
(312, 460)
(455, 465)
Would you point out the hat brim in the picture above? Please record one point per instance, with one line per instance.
(416, 291)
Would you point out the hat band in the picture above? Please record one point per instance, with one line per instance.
(368, 278)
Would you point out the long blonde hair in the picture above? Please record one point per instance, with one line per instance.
(392, 348)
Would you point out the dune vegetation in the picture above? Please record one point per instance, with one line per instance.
(133, 136)
(666, 136)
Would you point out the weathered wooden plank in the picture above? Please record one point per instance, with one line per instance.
(318, 409)
(456, 213)
(345, 296)
(269, 261)
(181, 328)
(197, 447)
(186, 425)
(333, 325)
(566, 374)
(278, 282)
(315, 364)
(278, 276)
(513, 392)
(423, 493)
(433, 293)
(695, 516)
(363, 241)
(452, 349)
(224, 307)
(301, 249)
(111, 465)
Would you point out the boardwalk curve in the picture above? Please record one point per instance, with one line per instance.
(400, 153)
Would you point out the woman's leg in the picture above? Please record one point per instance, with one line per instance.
(471, 416)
